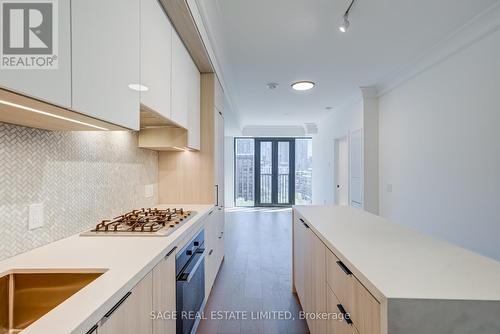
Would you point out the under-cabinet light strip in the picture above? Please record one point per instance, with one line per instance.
(15, 105)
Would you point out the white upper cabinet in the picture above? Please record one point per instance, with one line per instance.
(106, 59)
(181, 71)
(156, 57)
(50, 85)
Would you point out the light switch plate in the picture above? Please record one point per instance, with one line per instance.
(35, 219)
(389, 188)
(149, 190)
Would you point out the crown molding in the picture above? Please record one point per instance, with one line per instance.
(482, 25)
(206, 33)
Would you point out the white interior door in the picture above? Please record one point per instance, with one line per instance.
(342, 171)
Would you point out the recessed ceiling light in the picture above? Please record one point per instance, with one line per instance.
(138, 87)
(328, 108)
(303, 85)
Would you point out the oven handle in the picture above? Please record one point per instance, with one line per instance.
(187, 274)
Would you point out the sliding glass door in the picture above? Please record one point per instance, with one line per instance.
(274, 171)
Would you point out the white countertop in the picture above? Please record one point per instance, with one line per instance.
(126, 261)
(402, 263)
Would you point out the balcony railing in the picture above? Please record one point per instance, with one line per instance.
(266, 181)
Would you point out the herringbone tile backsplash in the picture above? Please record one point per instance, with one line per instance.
(80, 177)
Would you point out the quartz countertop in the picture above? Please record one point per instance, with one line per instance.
(124, 260)
(400, 262)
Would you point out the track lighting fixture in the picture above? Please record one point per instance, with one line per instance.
(346, 23)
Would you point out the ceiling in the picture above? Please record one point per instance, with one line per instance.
(261, 41)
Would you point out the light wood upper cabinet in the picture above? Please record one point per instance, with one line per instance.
(54, 85)
(164, 286)
(133, 314)
(106, 60)
(156, 57)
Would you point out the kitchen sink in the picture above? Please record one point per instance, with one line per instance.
(26, 296)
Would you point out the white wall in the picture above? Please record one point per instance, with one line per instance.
(440, 149)
(339, 124)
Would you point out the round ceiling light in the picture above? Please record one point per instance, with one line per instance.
(303, 85)
(138, 87)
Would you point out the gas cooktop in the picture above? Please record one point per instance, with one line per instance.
(143, 222)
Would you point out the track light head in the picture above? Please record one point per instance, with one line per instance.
(345, 24)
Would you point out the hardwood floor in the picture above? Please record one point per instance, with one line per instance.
(255, 276)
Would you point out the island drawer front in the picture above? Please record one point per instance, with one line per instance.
(366, 314)
(336, 326)
(340, 282)
(363, 308)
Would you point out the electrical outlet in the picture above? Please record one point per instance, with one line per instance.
(149, 190)
(35, 219)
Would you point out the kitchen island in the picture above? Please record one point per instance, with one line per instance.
(388, 278)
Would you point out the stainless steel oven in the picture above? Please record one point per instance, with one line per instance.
(190, 273)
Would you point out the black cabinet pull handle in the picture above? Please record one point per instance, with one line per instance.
(304, 223)
(211, 251)
(171, 251)
(344, 268)
(347, 316)
(211, 212)
(92, 329)
(110, 312)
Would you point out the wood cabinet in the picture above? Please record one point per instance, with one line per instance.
(366, 313)
(106, 60)
(54, 85)
(211, 267)
(196, 175)
(340, 280)
(219, 157)
(132, 314)
(318, 283)
(323, 282)
(302, 253)
(156, 58)
(164, 297)
(337, 325)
